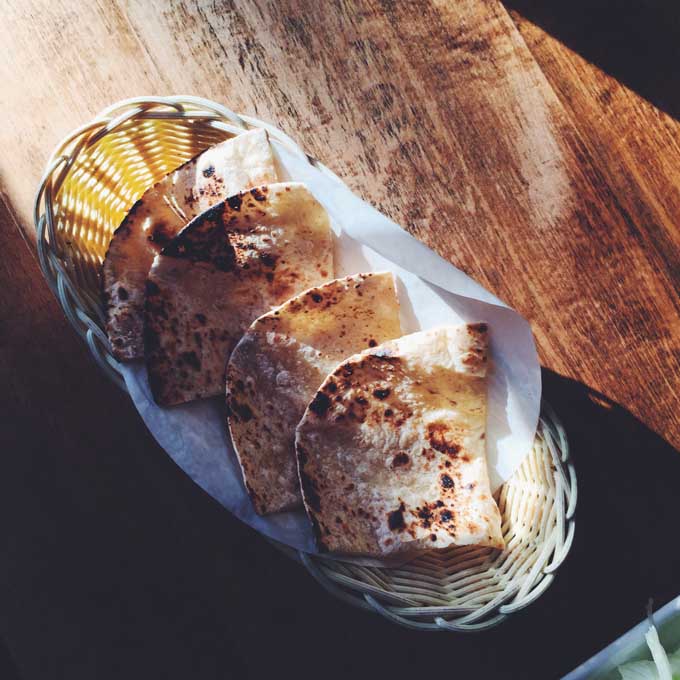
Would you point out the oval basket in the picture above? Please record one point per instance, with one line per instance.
(93, 178)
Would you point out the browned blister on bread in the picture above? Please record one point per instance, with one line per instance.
(279, 364)
(221, 171)
(227, 267)
(391, 450)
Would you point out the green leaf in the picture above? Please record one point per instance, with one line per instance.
(674, 660)
(648, 670)
(658, 653)
(639, 670)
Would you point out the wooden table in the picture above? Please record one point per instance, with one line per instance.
(536, 145)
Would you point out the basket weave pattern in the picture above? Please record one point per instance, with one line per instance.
(94, 177)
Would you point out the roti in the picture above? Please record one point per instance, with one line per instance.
(282, 360)
(230, 265)
(239, 163)
(391, 450)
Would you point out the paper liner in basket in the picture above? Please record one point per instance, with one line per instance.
(432, 292)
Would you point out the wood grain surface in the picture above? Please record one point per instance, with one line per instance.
(549, 176)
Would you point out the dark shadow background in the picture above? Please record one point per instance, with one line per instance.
(115, 565)
(625, 550)
(8, 671)
(635, 41)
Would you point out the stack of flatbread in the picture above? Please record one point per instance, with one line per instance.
(221, 278)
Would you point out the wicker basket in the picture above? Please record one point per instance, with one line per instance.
(91, 181)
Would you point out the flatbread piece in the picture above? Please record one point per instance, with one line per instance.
(239, 163)
(391, 450)
(227, 267)
(282, 360)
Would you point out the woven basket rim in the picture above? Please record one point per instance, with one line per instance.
(85, 315)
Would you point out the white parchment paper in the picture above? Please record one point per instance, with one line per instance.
(432, 292)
